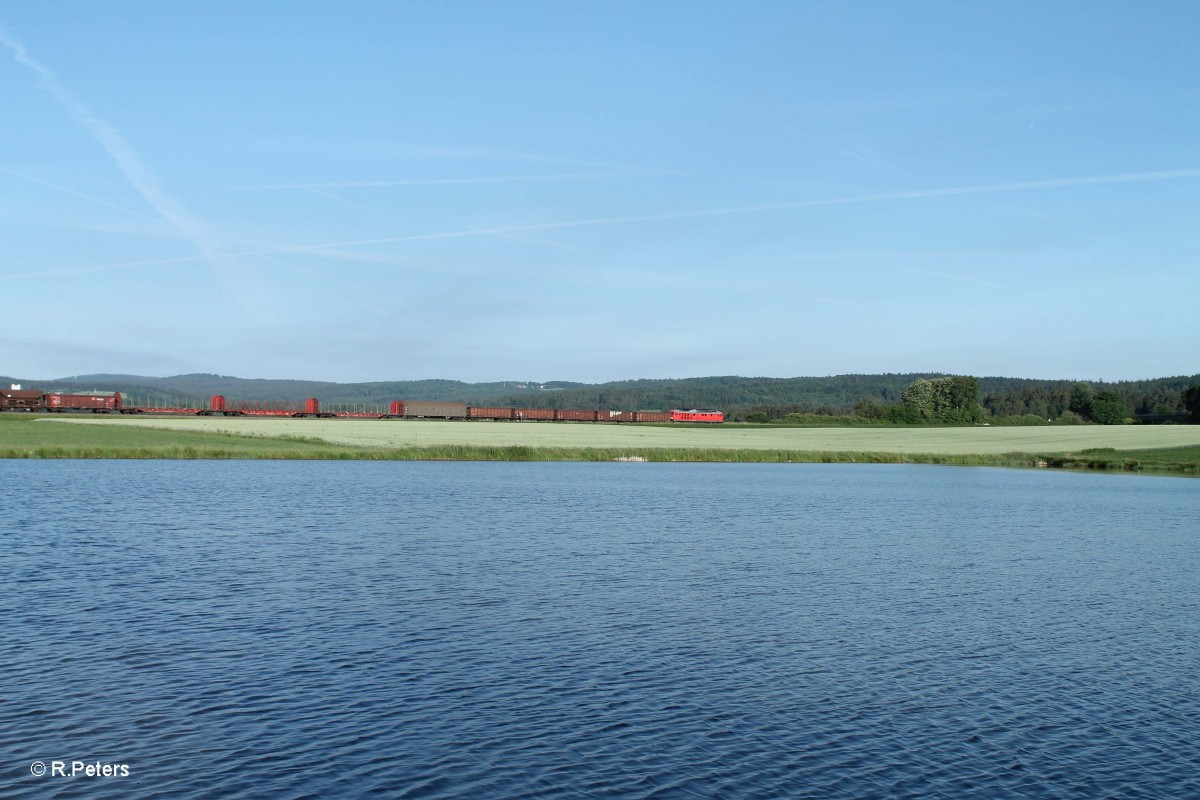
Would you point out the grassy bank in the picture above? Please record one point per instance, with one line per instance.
(1182, 460)
(30, 436)
(38, 437)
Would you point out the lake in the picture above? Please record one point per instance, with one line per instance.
(502, 630)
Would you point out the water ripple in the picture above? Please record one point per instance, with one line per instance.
(672, 631)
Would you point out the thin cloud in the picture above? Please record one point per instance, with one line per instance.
(562, 176)
(356, 288)
(343, 200)
(152, 262)
(391, 150)
(88, 197)
(1056, 183)
(859, 154)
(962, 279)
(838, 303)
(1133, 177)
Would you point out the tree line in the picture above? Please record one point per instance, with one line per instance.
(896, 398)
(958, 400)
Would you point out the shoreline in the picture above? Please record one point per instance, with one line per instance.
(1111, 463)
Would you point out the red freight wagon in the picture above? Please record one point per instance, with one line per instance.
(576, 415)
(535, 413)
(485, 412)
(693, 415)
(93, 401)
(20, 399)
(652, 416)
(615, 416)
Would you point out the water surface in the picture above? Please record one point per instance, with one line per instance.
(320, 629)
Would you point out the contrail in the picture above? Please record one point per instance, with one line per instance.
(1129, 177)
(140, 176)
(359, 206)
(139, 215)
(105, 267)
(563, 176)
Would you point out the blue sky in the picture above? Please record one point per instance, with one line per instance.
(596, 191)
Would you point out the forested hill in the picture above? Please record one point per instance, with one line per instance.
(198, 387)
(735, 395)
(725, 392)
(730, 392)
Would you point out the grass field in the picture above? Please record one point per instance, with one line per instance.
(36, 436)
(1169, 449)
(431, 433)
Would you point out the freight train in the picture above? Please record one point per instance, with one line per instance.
(17, 399)
(35, 400)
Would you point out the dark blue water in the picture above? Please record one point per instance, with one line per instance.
(276, 630)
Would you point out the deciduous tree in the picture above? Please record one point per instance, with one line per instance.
(1109, 409)
(1191, 401)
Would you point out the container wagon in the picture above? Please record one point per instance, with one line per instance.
(427, 408)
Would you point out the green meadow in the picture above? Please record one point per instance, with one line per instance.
(1146, 448)
(39, 436)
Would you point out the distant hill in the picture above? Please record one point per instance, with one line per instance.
(200, 386)
(733, 394)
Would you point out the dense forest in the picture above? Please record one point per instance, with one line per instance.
(945, 400)
(912, 398)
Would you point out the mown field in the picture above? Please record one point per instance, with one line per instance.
(1174, 448)
(425, 433)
